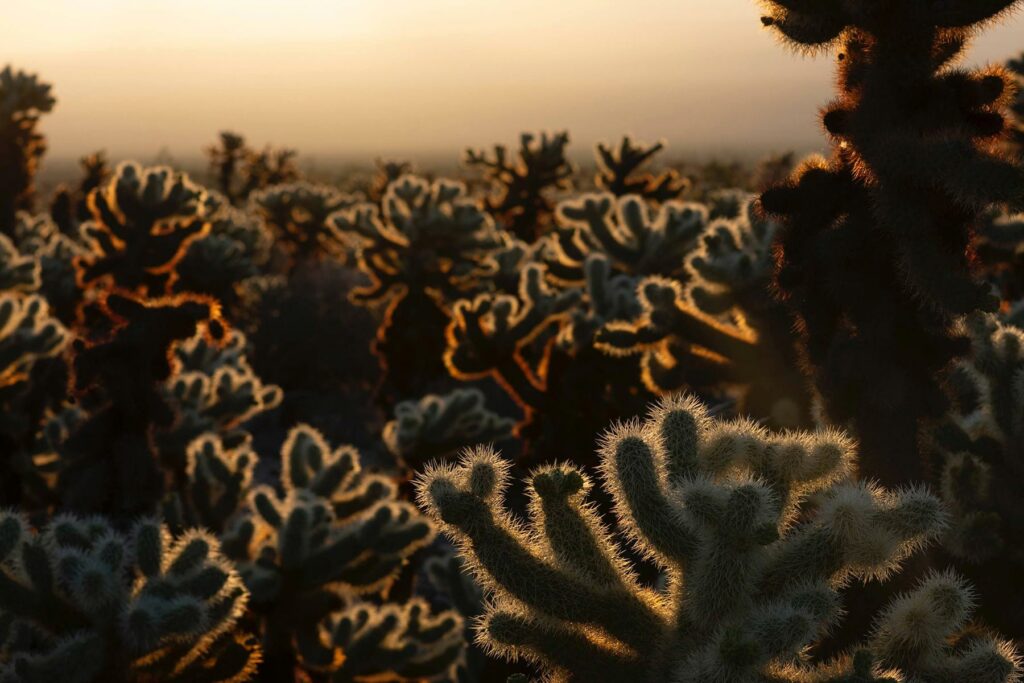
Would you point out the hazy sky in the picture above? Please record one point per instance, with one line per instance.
(367, 77)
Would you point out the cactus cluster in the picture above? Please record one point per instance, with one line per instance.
(179, 362)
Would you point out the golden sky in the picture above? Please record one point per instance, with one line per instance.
(368, 77)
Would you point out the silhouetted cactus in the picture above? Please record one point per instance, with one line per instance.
(1017, 107)
(521, 187)
(427, 244)
(297, 215)
(617, 172)
(754, 531)
(336, 532)
(403, 642)
(873, 252)
(23, 99)
(142, 223)
(226, 157)
(440, 426)
(237, 247)
(717, 329)
(212, 389)
(27, 333)
(38, 237)
(69, 207)
(976, 454)
(636, 238)
(109, 465)
(82, 603)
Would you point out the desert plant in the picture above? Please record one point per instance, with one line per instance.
(754, 531)
(1017, 108)
(70, 206)
(142, 223)
(212, 390)
(427, 244)
(108, 465)
(617, 172)
(226, 157)
(717, 329)
(81, 602)
(297, 215)
(520, 187)
(236, 247)
(439, 426)
(39, 237)
(874, 247)
(977, 454)
(23, 100)
(637, 238)
(334, 532)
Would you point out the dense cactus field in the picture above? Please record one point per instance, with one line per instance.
(533, 423)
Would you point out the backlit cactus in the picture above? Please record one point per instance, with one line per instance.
(873, 249)
(141, 226)
(428, 242)
(617, 172)
(722, 507)
(38, 237)
(334, 532)
(297, 215)
(521, 187)
(440, 426)
(23, 100)
(83, 603)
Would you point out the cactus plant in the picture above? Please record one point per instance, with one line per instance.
(39, 237)
(751, 572)
(717, 329)
(617, 172)
(335, 532)
(874, 245)
(440, 426)
(70, 207)
(141, 226)
(635, 237)
(83, 603)
(297, 215)
(1016, 66)
(428, 243)
(23, 100)
(520, 187)
(108, 465)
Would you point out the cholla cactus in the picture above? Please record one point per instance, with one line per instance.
(27, 333)
(226, 159)
(404, 643)
(297, 214)
(108, 465)
(23, 99)
(39, 237)
(236, 248)
(83, 603)
(212, 389)
(218, 479)
(18, 273)
(721, 330)
(976, 451)
(488, 334)
(142, 223)
(70, 207)
(1017, 107)
(752, 565)
(336, 532)
(873, 250)
(520, 188)
(635, 237)
(430, 241)
(440, 426)
(999, 244)
(617, 172)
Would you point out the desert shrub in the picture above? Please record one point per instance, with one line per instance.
(23, 100)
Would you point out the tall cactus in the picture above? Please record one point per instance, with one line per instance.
(23, 100)
(874, 249)
(754, 532)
